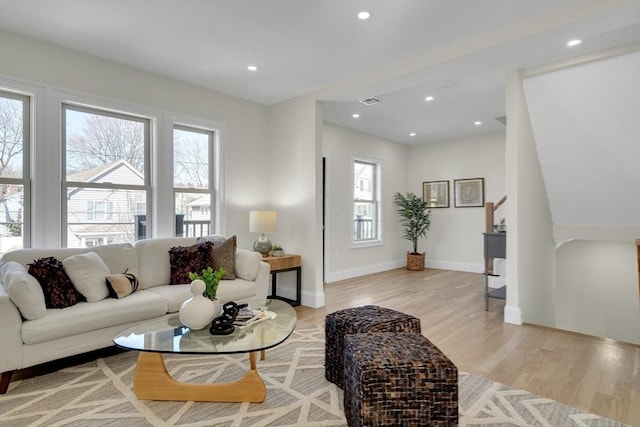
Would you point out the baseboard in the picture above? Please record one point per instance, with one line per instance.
(363, 271)
(377, 268)
(312, 300)
(456, 266)
(512, 314)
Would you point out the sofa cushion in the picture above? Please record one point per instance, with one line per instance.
(119, 257)
(122, 284)
(153, 258)
(236, 290)
(58, 289)
(247, 264)
(23, 290)
(175, 295)
(186, 259)
(87, 273)
(87, 317)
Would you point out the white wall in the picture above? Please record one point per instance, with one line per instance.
(530, 247)
(598, 289)
(294, 170)
(575, 138)
(588, 141)
(245, 123)
(455, 239)
(343, 259)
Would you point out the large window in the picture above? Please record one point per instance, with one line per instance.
(14, 170)
(192, 178)
(106, 184)
(366, 197)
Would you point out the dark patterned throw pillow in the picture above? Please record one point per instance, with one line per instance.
(58, 290)
(185, 259)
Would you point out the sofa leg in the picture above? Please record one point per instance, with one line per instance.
(4, 381)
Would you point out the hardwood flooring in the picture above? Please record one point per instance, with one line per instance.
(595, 374)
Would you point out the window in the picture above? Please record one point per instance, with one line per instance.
(14, 170)
(192, 177)
(106, 169)
(100, 210)
(366, 218)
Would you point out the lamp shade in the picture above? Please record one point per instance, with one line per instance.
(263, 221)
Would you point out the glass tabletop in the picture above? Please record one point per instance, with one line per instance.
(169, 335)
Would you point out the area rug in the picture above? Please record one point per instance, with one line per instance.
(99, 393)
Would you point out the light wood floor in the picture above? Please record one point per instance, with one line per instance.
(595, 374)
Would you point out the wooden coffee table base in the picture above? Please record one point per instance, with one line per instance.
(153, 382)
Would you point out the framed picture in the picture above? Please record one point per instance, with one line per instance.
(469, 193)
(436, 193)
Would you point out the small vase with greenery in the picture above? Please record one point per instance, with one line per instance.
(211, 280)
(415, 218)
(276, 250)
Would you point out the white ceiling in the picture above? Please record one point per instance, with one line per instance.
(456, 50)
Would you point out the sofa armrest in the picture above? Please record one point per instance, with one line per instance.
(11, 336)
(262, 280)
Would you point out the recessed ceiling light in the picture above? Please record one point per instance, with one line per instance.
(429, 98)
(412, 134)
(356, 115)
(478, 123)
(252, 68)
(575, 42)
(364, 15)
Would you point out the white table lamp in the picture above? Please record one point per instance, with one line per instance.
(263, 222)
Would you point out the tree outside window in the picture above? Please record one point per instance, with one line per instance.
(14, 169)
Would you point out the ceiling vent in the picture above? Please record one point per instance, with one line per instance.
(370, 101)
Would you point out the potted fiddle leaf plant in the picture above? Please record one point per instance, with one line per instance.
(415, 218)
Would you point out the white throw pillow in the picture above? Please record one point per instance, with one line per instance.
(247, 264)
(24, 291)
(88, 274)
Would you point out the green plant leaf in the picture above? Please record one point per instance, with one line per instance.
(211, 280)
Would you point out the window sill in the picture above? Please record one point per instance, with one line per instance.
(366, 244)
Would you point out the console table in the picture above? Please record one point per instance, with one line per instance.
(280, 264)
(495, 246)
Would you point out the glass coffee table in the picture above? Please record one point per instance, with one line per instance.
(152, 381)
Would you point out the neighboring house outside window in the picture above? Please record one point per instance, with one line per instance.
(366, 201)
(15, 118)
(106, 179)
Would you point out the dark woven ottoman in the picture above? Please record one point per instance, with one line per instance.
(369, 318)
(398, 379)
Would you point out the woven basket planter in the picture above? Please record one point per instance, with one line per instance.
(415, 262)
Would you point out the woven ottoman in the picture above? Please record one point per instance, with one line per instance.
(369, 318)
(398, 379)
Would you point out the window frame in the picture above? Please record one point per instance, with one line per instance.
(377, 193)
(147, 188)
(28, 113)
(212, 133)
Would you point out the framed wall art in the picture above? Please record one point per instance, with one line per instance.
(436, 193)
(469, 193)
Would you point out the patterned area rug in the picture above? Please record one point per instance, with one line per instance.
(99, 393)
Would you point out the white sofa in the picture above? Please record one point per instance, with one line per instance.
(89, 326)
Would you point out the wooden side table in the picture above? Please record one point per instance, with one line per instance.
(280, 264)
